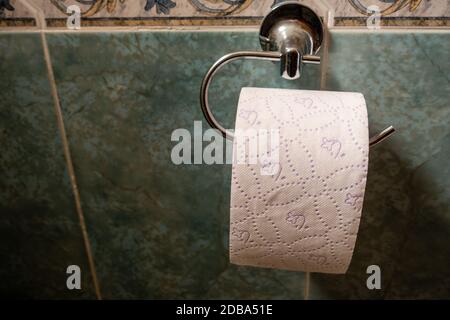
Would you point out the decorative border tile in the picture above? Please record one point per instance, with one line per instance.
(220, 12)
(160, 22)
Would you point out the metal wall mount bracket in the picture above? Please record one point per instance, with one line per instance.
(291, 34)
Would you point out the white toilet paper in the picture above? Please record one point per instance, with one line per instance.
(301, 212)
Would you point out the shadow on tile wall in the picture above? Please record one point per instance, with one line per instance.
(405, 227)
(39, 231)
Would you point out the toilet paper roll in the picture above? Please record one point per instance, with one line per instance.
(300, 211)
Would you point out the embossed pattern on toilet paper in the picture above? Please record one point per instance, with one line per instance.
(306, 216)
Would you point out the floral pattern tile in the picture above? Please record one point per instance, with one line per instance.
(161, 231)
(229, 12)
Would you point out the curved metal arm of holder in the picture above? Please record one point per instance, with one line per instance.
(257, 55)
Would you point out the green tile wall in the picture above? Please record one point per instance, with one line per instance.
(405, 226)
(159, 230)
(39, 231)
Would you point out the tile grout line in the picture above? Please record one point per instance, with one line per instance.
(322, 86)
(40, 22)
(307, 285)
(70, 169)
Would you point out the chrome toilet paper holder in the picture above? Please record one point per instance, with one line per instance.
(291, 34)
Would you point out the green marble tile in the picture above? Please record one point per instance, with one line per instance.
(405, 225)
(159, 230)
(39, 231)
(422, 266)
